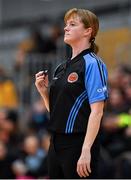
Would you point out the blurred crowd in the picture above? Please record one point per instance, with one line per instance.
(116, 125)
(24, 139)
(23, 153)
(24, 136)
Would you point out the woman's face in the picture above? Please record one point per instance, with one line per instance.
(74, 30)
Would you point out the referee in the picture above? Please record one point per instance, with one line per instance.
(76, 101)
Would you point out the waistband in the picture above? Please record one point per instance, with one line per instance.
(63, 140)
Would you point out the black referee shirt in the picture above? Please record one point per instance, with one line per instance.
(76, 84)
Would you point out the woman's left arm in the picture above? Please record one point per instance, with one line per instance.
(83, 164)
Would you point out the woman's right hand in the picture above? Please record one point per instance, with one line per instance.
(41, 82)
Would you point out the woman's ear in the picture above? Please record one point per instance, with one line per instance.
(88, 31)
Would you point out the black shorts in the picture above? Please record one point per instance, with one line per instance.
(63, 154)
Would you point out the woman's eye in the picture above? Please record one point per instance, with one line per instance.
(70, 24)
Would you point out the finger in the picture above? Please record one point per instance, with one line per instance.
(82, 171)
(46, 77)
(38, 85)
(41, 83)
(39, 74)
(89, 168)
(85, 170)
(79, 171)
(40, 77)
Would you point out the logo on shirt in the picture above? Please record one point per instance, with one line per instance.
(73, 77)
(102, 89)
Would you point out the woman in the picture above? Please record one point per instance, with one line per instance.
(76, 101)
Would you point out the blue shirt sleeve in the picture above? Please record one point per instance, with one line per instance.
(96, 80)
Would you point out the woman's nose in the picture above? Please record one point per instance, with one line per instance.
(66, 28)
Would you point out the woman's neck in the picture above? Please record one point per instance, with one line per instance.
(78, 49)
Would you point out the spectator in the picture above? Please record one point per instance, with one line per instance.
(8, 92)
(39, 117)
(20, 170)
(5, 163)
(32, 155)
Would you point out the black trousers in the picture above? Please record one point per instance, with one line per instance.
(63, 154)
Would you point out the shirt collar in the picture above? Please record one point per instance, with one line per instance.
(81, 54)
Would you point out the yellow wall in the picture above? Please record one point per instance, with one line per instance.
(114, 46)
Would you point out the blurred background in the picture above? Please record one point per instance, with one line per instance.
(31, 39)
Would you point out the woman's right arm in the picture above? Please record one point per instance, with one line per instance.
(41, 82)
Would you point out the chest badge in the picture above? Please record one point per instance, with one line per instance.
(73, 77)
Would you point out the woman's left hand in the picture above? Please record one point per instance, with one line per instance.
(83, 164)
